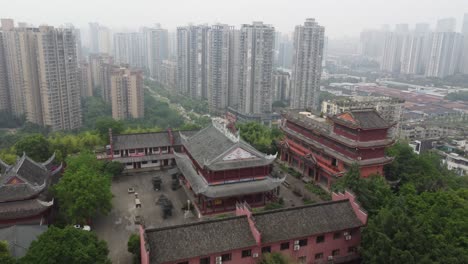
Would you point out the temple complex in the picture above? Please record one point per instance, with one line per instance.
(23, 191)
(325, 148)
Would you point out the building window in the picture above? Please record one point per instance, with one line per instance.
(303, 242)
(144, 162)
(205, 260)
(302, 260)
(336, 252)
(334, 162)
(284, 246)
(320, 239)
(337, 235)
(352, 250)
(226, 257)
(116, 152)
(183, 262)
(246, 253)
(131, 151)
(140, 150)
(319, 256)
(266, 249)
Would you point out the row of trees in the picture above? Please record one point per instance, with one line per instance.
(421, 219)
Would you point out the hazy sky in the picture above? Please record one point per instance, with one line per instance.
(340, 17)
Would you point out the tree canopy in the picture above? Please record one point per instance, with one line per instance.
(68, 245)
(275, 258)
(35, 146)
(133, 246)
(84, 189)
(5, 256)
(261, 137)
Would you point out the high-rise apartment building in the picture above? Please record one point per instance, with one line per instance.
(58, 78)
(126, 93)
(464, 31)
(285, 51)
(446, 25)
(391, 59)
(415, 52)
(168, 75)
(220, 63)
(444, 58)
(372, 44)
(85, 79)
(41, 71)
(4, 92)
(95, 62)
(255, 68)
(129, 49)
(157, 49)
(307, 65)
(192, 60)
(100, 39)
(281, 85)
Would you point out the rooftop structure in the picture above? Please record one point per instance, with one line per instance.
(23, 191)
(313, 233)
(324, 148)
(19, 237)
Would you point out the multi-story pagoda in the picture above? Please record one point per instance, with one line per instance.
(219, 169)
(325, 148)
(23, 191)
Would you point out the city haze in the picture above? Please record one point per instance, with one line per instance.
(339, 17)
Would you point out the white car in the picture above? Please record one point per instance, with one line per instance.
(77, 226)
(86, 228)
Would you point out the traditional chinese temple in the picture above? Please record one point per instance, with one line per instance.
(328, 232)
(23, 191)
(325, 148)
(219, 169)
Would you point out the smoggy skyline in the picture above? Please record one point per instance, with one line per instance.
(340, 17)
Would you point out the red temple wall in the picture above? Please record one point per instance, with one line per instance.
(375, 134)
(372, 153)
(367, 171)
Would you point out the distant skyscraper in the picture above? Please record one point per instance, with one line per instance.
(192, 57)
(464, 63)
(157, 49)
(444, 58)
(4, 93)
(391, 60)
(415, 51)
(285, 51)
(128, 49)
(220, 64)
(96, 62)
(256, 68)
(281, 85)
(85, 79)
(307, 65)
(446, 25)
(126, 93)
(100, 39)
(372, 44)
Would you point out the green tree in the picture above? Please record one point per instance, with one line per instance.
(83, 190)
(113, 168)
(35, 146)
(260, 136)
(133, 246)
(5, 256)
(68, 245)
(104, 123)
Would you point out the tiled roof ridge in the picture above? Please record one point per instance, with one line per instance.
(300, 207)
(229, 218)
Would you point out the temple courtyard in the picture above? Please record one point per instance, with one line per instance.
(116, 227)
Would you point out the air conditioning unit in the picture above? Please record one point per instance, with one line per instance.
(348, 237)
(219, 260)
(346, 234)
(296, 242)
(255, 255)
(330, 257)
(296, 247)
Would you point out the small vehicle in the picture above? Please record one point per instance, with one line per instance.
(86, 228)
(137, 219)
(131, 190)
(77, 226)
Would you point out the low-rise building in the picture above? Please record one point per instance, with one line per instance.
(318, 233)
(325, 148)
(457, 163)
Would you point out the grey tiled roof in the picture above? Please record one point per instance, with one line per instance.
(198, 239)
(178, 243)
(200, 185)
(21, 191)
(141, 140)
(22, 209)
(209, 146)
(186, 133)
(19, 237)
(306, 221)
(145, 158)
(365, 119)
(35, 177)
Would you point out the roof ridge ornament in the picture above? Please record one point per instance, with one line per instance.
(220, 125)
